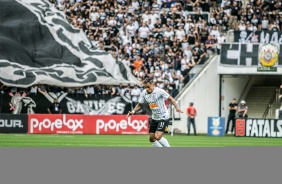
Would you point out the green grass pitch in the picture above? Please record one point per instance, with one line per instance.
(177, 140)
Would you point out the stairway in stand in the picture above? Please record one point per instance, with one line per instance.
(258, 99)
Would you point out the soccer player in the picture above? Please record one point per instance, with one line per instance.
(155, 97)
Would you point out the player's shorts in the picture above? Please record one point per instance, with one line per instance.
(158, 125)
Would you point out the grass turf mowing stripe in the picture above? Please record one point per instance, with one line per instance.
(47, 140)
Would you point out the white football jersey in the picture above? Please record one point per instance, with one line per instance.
(156, 101)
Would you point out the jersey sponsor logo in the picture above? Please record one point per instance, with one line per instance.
(153, 106)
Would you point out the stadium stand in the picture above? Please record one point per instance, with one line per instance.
(163, 39)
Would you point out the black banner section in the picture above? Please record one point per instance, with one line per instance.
(258, 36)
(13, 123)
(70, 103)
(251, 54)
(51, 51)
(258, 128)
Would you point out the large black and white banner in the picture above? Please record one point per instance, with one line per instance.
(258, 36)
(38, 45)
(71, 103)
(251, 54)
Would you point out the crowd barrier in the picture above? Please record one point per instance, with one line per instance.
(73, 124)
(70, 103)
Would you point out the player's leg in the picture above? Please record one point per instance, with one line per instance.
(160, 131)
(152, 130)
(154, 141)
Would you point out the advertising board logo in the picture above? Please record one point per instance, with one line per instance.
(113, 126)
(215, 126)
(12, 123)
(215, 122)
(268, 57)
(240, 127)
(215, 132)
(55, 125)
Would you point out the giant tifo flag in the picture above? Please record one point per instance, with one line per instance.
(38, 45)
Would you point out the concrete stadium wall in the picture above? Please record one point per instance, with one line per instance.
(204, 92)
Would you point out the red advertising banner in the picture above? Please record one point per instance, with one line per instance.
(86, 124)
(240, 127)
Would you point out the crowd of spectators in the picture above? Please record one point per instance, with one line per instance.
(163, 39)
(256, 15)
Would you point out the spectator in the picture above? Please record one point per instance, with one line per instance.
(220, 40)
(135, 93)
(202, 54)
(164, 28)
(89, 91)
(210, 43)
(195, 57)
(119, 89)
(33, 90)
(243, 110)
(191, 113)
(232, 114)
(55, 108)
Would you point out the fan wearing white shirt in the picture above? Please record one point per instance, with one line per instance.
(130, 30)
(93, 16)
(179, 33)
(136, 45)
(153, 16)
(214, 31)
(135, 93)
(220, 40)
(188, 25)
(167, 74)
(156, 7)
(33, 89)
(112, 22)
(146, 16)
(188, 52)
(135, 5)
(125, 40)
(169, 33)
(151, 25)
(143, 32)
(89, 91)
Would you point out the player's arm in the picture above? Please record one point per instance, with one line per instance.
(136, 108)
(174, 104)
